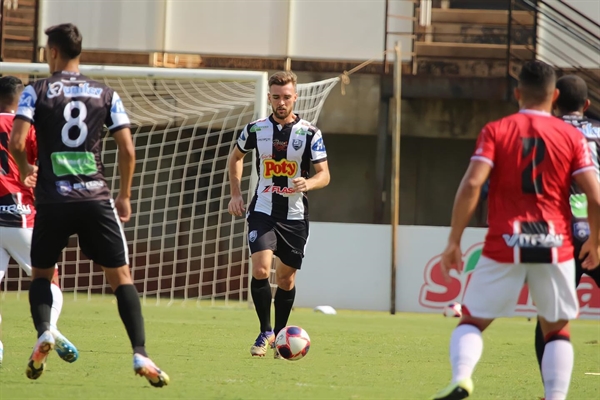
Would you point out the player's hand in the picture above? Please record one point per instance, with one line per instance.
(301, 185)
(30, 178)
(590, 254)
(236, 206)
(451, 259)
(123, 206)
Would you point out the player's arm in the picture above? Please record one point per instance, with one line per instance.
(246, 142)
(318, 155)
(17, 146)
(321, 177)
(588, 182)
(467, 197)
(126, 162)
(236, 169)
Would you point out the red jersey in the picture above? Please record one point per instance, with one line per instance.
(16, 200)
(534, 157)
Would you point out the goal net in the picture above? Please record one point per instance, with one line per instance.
(183, 243)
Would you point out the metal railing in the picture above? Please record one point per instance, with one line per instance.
(566, 39)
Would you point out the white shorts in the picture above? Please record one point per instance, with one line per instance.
(494, 289)
(15, 243)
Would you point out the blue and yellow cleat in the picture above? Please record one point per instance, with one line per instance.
(37, 361)
(143, 366)
(455, 391)
(64, 348)
(262, 344)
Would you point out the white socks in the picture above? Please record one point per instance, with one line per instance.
(557, 365)
(57, 303)
(466, 347)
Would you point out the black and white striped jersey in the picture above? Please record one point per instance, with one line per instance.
(283, 153)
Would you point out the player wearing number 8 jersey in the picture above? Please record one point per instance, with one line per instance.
(531, 158)
(69, 112)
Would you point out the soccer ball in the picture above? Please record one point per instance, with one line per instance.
(292, 343)
(453, 310)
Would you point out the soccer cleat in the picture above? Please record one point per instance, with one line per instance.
(276, 354)
(1, 352)
(143, 366)
(455, 391)
(64, 348)
(262, 343)
(37, 361)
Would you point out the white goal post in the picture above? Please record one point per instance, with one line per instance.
(183, 243)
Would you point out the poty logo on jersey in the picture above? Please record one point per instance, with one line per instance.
(301, 132)
(436, 293)
(26, 100)
(16, 209)
(533, 240)
(280, 168)
(118, 107)
(318, 145)
(80, 90)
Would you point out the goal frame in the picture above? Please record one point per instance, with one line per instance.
(259, 78)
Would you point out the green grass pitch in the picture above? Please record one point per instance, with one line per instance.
(205, 350)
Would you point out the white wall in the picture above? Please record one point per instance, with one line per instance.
(549, 35)
(234, 27)
(347, 266)
(324, 29)
(336, 29)
(116, 25)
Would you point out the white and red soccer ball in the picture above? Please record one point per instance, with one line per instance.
(453, 310)
(292, 343)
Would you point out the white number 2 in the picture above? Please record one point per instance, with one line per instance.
(78, 121)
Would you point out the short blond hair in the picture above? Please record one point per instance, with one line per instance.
(282, 78)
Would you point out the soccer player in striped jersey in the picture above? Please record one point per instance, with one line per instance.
(285, 146)
(69, 112)
(570, 105)
(530, 158)
(17, 211)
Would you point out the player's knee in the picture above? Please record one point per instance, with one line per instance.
(468, 319)
(260, 271)
(562, 334)
(286, 282)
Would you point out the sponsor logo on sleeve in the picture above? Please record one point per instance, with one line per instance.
(319, 145)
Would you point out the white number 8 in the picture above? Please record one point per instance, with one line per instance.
(77, 121)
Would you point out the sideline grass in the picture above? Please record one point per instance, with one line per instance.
(353, 355)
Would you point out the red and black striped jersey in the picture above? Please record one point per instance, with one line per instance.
(16, 200)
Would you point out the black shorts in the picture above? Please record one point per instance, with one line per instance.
(286, 238)
(95, 222)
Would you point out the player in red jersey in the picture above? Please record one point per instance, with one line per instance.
(530, 158)
(17, 210)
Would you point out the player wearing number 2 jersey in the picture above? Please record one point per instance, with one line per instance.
(531, 158)
(69, 112)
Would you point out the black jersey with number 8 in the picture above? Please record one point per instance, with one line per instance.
(69, 112)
